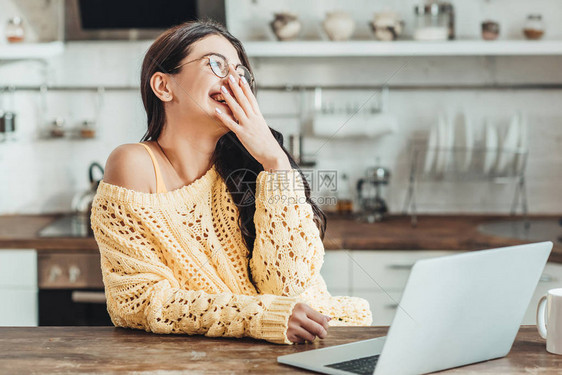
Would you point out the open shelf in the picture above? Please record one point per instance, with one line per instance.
(403, 48)
(25, 51)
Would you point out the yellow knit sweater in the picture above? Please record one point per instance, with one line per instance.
(176, 262)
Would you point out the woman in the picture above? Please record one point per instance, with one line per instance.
(206, 226)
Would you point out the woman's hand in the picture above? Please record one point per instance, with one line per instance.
(251, 128)
(306, 323)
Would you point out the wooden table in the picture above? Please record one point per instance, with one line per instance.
(64, 350)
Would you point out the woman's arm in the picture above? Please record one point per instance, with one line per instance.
(288, 251)
(142, 292)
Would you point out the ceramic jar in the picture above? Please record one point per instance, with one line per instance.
(286, 26)
(387, 26)
(490, 30)
(338, 25)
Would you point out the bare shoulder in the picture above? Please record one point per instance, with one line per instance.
(130, 166)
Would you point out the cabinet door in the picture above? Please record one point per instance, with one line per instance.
(385, 270)
(335, 271)
(18, 268)
(551, 278)
(383, 305)
(18, 287)
(18, 307)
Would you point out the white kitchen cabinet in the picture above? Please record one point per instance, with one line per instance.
(18, 268)
(375, 275)
(385, 270)
(336, 271)
(18, 287)
(383, 305)
(18, 307)
(380, 277)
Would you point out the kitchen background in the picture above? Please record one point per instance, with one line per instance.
(350, 105)
(41, 175)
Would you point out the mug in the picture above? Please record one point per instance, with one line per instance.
(551, 304)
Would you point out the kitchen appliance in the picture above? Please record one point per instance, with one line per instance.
(77, 224)
(82, 202)
(134, 19)
(445, 309)
(71, 290)
(370, 193)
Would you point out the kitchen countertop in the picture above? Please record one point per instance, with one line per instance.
(433, 232)
(63, 350)
(20, 232)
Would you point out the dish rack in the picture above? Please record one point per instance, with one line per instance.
(494, 165)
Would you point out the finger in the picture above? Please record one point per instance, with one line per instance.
(327, 324)
(233, 104)
(314, 328)
(245, 85)
(234, 81)
(227, 121)
(296, 339)
(304, 334)
(316, 316)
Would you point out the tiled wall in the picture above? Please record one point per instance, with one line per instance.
(43, 175)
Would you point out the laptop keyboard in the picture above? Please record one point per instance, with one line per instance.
(362, 366)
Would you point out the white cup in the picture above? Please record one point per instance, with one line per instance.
(551, 304)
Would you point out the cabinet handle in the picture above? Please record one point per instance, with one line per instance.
(88, 297)
(400, 266)
(392, 306)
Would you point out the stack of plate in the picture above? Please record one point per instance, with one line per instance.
(464, 142)
(491, 146)
(451, 144)
(514, 147)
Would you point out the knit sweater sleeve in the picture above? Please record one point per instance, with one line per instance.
(288, 251)
(142, 292)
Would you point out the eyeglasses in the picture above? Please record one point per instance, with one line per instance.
(219, 66)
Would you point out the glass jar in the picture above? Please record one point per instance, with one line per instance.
(14, 30)
(434, 21)
(57, 129)
(87, 130)
(534, 27)
(344, 204)
(490, 30)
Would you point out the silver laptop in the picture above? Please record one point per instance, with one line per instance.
(455, 310)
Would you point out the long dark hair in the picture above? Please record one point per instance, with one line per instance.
(236, 166)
